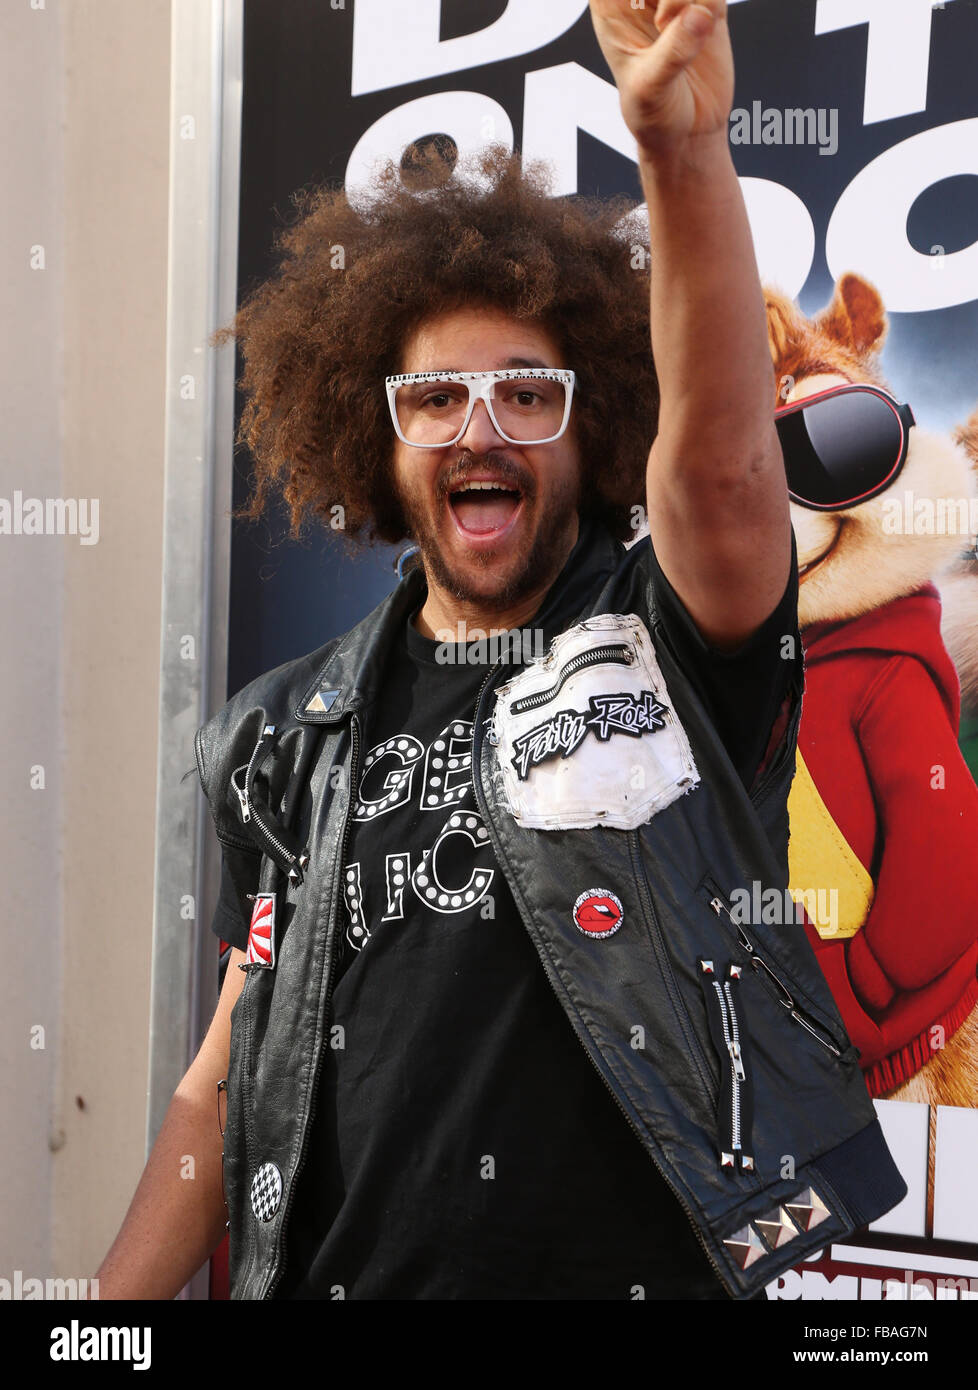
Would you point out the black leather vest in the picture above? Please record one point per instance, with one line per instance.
(718, 1037)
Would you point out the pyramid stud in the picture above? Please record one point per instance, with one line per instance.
(745, 1246)
(707, 967)
(807, 1210)
(726, 1160)
(735, 972)
(747, 1163)
(321, 701)
(776, 1228)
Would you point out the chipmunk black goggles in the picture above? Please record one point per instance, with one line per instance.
(842, 446)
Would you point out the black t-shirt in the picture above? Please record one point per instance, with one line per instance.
(463, 1145)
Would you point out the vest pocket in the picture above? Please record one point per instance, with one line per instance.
(774, 979)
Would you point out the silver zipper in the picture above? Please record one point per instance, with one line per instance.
(242, 796)
(731, 1036)
(612, 654)
(249, 812)
(295, 864)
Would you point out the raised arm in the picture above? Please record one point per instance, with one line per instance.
(717, 497)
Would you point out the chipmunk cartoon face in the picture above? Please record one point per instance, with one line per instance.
(852, 561)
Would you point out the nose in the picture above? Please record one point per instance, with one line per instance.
(480, 435)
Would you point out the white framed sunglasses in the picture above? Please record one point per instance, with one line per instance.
(432, 410)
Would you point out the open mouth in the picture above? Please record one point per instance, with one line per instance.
(484, 508)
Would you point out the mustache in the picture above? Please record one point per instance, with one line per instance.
(500, 464)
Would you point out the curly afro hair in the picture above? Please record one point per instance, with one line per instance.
(356, 277)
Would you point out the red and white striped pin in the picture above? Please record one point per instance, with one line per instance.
(261, 934)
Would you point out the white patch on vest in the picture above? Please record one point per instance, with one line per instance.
(589, 735)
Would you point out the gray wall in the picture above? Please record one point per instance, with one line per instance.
(84, 91)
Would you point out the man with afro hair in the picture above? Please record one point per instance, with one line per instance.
(472, 374)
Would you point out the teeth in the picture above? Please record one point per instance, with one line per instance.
(485, 487)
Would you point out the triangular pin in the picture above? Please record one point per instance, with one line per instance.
(745, 1246)
(807, 1210)
(321, 702)
(776, 1228)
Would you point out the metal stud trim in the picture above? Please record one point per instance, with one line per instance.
(807, 1210)
(745, 1246)
(321, 702)
(776, 1227)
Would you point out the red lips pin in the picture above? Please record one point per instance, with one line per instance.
(598, 912)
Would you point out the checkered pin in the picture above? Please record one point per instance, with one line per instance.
(266, 1192)
(261, 934)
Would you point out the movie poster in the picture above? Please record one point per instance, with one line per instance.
(855, 133)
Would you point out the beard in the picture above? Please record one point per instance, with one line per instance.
(537, 566)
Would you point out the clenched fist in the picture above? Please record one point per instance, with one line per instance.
(672, 64)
